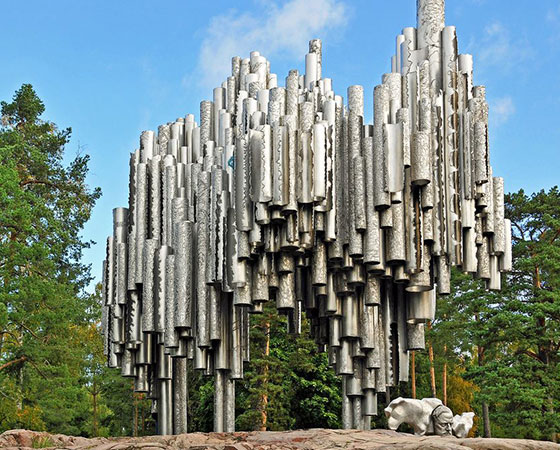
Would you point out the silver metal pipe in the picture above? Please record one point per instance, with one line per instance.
(346, 407)
(170, 335)
(165, 407)
(149, 286)
(133, 324)
(160, 288)
(285, 194)
(219, 380)
(180, 395)
(184, 274)
(229, 405)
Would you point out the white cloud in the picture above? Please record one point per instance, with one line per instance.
(553, 18)
(273, 29)
(553, 15)
(501, 109)
(497, 48)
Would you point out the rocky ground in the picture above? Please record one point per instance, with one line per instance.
(316, 439)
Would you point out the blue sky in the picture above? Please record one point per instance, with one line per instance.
(110, 69)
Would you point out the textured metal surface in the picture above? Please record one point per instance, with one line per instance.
(285, 194)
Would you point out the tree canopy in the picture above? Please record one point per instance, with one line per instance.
(44, 311)
(505, 344)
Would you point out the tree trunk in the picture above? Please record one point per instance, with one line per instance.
(544, 351)
(485, 409)
(432, 369)
(486, 420)
(143, 415)
(95, 421)
(444, 375)
(135, 415)
(20, 379)
(553, 434)
(264, 396)
(413, 373)
(135, 412)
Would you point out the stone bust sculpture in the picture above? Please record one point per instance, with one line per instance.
(428, 416)
(442, 421)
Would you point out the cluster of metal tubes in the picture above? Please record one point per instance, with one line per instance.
(284, 194)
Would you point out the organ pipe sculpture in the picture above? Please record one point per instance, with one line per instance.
(284, 194)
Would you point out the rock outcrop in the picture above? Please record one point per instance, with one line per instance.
(315, 439)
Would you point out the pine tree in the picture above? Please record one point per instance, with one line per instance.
(265, 390)
(532, 315)
(300, 388)
(504, 346)
(43, 308)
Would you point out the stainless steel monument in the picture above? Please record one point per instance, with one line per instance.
(284, 194)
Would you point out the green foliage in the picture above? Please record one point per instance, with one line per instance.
(52, 368)
(505, 345)
(42, 442)
(316, 401)
(43, 308)
(524, 372)
(118, 411)
(300, 389)
(200, 407)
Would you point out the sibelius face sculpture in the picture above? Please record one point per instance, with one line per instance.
(284, 194)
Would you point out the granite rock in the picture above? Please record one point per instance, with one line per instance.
(314, 439)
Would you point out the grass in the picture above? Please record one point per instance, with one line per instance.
(42, 442)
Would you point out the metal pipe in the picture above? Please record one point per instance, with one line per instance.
(285, 194)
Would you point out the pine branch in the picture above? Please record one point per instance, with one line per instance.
(12, 362)
(35, 181)
(530, 354)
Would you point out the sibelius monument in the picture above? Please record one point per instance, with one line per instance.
(284, 194)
